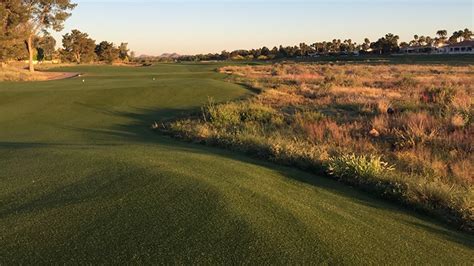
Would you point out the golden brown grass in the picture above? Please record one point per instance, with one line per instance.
(414, 119)
(18, 74)
(429, 106)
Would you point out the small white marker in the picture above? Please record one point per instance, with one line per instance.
(83, 80)
(154, 79)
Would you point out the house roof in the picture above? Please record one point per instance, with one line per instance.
(419, 47)
(466, 43)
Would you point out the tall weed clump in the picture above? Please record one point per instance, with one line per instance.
(358, 167)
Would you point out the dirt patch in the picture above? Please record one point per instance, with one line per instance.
(17, 74)
(59, 75)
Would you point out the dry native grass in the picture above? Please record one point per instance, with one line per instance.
(409, 127)
(8, 73)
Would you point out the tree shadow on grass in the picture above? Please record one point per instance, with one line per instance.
(100, 200)
(450, 235)
(138, 131)
(28, 145)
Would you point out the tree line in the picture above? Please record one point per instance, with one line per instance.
(78, 47)
(25, 27)
(387, 44)
(24, 20)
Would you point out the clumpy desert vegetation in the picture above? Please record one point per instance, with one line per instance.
(403, 132)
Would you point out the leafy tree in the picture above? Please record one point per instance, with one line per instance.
(255, 53)
(42, 16)
(15, 51)
(78, 47)
(225, 55)
(320, 47)
(12, 19)
(274, 50)
(265, 51)
(45, 47)
(123, 51)
(387, 44)
(335, 46)
(106, 51)
(282, 51)
(304, 49)
(347, 46)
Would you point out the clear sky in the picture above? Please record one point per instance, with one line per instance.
(153, 27)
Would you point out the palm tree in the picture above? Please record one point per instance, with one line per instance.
(429, 41)
(415, 40)
(466, 34)
(422, 40)
(404, 44)
(392, 41)
(442, 37)
(335, 46)
(457, 35)
(366, 45)
(442, 34)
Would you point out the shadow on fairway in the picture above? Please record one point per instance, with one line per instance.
(165, 225)
(139, 131)
(29, 145)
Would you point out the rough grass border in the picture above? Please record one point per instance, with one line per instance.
(389, 185)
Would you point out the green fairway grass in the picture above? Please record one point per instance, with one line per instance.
(83, 179)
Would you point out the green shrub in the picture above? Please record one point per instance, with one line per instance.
(354, 166)
(259, 113)
(224, 115)
(239, 116)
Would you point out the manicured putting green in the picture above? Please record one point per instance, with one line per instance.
(83, 179)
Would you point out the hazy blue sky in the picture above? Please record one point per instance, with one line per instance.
(193, 26)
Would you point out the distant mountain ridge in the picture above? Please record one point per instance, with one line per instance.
(170, 55)
(165, 55)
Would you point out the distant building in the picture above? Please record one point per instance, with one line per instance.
(315, 54)
(464, 47)
(419, 49)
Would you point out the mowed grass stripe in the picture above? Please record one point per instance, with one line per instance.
(84, 179)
